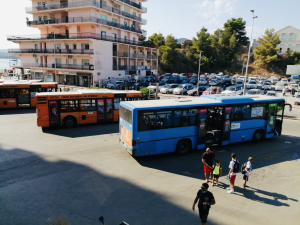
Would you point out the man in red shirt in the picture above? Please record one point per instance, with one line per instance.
(207, 160)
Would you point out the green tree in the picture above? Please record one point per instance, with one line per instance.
(237, 27)
(157, 39)
(171, 41)
(143, 40)
(266, 53)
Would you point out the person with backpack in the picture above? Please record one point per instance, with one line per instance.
(217, 172)
(247, 171)
(234, 169)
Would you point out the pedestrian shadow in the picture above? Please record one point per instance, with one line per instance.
(272, 198)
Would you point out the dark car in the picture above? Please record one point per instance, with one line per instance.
(184, 80)
(226, 82)
(174, 79)
(158, 78)
(193, 81)
(138, 86)
(122, 86)
(194, 91)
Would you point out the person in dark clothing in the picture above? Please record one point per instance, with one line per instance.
(206, 199)
(207, 160)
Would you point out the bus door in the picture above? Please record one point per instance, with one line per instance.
(104, 110)
(202, 126)
(271, 119)
(226, 125)
(23, 96)
(53, 113)
(279, 117)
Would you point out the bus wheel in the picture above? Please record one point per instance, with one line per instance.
(69, 122)
(257, 136)
(183, 147)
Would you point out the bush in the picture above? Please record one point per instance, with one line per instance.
(145, 92)
(94, 87)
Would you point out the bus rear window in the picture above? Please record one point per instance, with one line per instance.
(126, 114)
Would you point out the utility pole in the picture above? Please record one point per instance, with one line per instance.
(199, 73)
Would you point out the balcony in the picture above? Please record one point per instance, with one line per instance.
(58, 66)
(85, 20)
(63, 36)
(92, 4)
(51, 51)
(126, 67)
(134, 4)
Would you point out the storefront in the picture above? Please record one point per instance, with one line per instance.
(84, 79)
(67, 78)
(37, 75)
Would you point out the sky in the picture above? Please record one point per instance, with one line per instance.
(181, 18)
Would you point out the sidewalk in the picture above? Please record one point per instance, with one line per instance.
(71, 87)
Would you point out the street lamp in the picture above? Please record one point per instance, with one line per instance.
(246, 74)
(199, 73)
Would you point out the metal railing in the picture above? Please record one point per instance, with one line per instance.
(126, 67)
(58, 66)
(84, 20)
(85, 35)
(93, 4)
(51, 51)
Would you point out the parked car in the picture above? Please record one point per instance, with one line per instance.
(153, 87)
(122, 86)
(257, 77)
(226, 82)
(193, 81)
(194, 91)
(184, 80)
(203, 81)
(292, 86)
(114, 85)
(138, 86)
(211, 91)
(213, 82)
(297, 99)
(252, 84)
(168, 89)
(235, 76)
(266, 85)
(242, 78)
(158, 78)
(174, 79)
(182, 89)
(274, 80)
(233, 90)
(165, 79)
(285, 81)
(271, 93)
(279, 86)
(239, 82)
(254, 92)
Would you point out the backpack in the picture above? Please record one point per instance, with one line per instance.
(236, 166)
(243, 168)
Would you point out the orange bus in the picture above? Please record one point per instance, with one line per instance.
(22, 94)
(82, 107)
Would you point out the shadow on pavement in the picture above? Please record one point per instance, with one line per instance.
(17, 111)
(34, 190)
(83, 130)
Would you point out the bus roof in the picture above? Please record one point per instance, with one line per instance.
(88, 91)
(203, 100)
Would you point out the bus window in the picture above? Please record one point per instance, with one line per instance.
(23, 91)
(100, 109)
(147, 121)
(165, 119)
(241, 112)
(258, 111)
(87, 104)
(69, 105)
(109, 108)
(7, 93)
(117, 103)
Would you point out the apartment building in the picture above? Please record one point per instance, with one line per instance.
(86, 42)
(290, 39)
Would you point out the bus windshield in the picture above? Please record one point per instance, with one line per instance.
(126, 114)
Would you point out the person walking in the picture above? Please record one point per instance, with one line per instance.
(217, 172)
(207, 159)
(234, 167)
(206, 199)
(283, 91)
(248, 170)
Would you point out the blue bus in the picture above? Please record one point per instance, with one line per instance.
(180, 125)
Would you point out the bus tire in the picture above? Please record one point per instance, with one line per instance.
(69, 122)
(183, 147)
(258, 136)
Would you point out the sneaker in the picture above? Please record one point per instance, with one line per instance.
(229, 188)
(230, 192)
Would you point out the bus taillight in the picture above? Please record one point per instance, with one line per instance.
(133, 143)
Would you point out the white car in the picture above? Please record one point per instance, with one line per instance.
(274, 80)
(183, 89)
(285, 81)
(271, 93)
(293, 86)
(203, 81)
(114, 85)
(266, 85)
(257, 77)
(168, 89)
(233, 90)
(297, 99)
(213, 82)
(254, 92)
(279, 86)
(252, 84)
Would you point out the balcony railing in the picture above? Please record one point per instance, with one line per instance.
(134, 4)
(126, 67)
(86, 35)
(84, 20)
(59, 66)
(51, 51)
(93, 4)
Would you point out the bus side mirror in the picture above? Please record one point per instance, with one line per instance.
(289, 106)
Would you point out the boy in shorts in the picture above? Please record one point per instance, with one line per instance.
(217, 172)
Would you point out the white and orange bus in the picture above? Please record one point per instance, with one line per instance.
(22, 94)
(82, 107)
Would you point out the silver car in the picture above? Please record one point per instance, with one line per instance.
(203, 81)
(183, 89)
(168, 89)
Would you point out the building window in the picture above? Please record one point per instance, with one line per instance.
(45, 17)
(37, 60)
(125, 38)
(103, 34)
(36, 46)
(74, 46)
(125, 23)
(114, 20)
(297, 48)
(133, 39)
(114, 36)
(281, 48)
(74, 61)
(291, 36)
(67, 61)
(290, 47)
(102, 17)
(283, 37)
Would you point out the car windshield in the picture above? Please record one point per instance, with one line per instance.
(119, 82)
(252, 82)
(267, 83)
(180, 86)
(294, 85)
(202, 79)
(231, 88)
(167, 86)
(297, 96)
(173, 86)
(239, 82)
(271, 93)
(213, 80)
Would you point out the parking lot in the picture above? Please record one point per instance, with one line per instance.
(83, 173)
